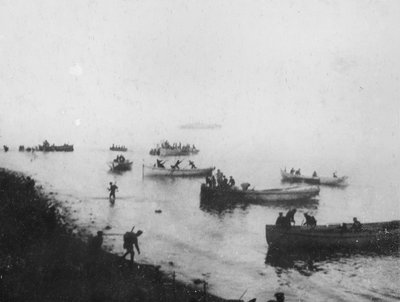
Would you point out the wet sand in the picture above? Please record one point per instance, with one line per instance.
(44, 258)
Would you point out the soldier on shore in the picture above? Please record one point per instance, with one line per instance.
(130, 240)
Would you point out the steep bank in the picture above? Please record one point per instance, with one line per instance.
(43, 260)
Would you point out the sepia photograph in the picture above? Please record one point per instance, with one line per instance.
(199, 150)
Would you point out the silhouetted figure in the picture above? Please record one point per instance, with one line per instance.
(280, 297)
(245, 186)
(112, 189)
(96, 242)
(334, 174)
(315, 174)
(176, 166)
(292, 171)
(310, 220)
(160, 164)
(290, 216)
(357, 226)
(192, 165)
(231, 182)
(130, 240)
(280, 221)
(298, 172)
(208, 182)
(343, 228)
(213, 181)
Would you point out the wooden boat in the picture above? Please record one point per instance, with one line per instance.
(376, 235)
(177, 151)
(329, 181)
(120, 149)
(288, 194)
(155, 171)
(120, 166)
(46, 147)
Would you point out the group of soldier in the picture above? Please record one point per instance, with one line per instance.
(220, 181)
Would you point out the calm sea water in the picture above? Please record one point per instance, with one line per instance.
(227, 247)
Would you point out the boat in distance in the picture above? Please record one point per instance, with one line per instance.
(120, 166)
(371, 235)
(119, 149)
(177, 152)
(156, 171)
(286, 194)
(318, 180)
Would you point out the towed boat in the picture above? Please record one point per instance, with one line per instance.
(155, 171)
(293, 193)
(46, 147)
(120, 166)
(177, 151)
(329, 181)
(371, 235)
(120, 149)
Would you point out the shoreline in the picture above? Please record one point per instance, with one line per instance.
(43, 258)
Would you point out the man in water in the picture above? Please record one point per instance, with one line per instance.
(130, 240)
(112, 189)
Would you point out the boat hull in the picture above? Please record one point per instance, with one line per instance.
(331, 237)
(154, 171)
(177, 152)
(125, 166)
(289, 194)
(328, 181)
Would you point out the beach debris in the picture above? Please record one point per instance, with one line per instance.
(158, 211)
(107, 228)
(171, 263)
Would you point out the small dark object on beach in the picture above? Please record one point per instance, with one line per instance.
(171, 263)
(107, 228)
(158, 211)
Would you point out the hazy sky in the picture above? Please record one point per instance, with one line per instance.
(81, 71)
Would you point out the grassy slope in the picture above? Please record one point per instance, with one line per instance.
(41, 260)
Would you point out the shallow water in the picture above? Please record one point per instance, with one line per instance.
(227, 246)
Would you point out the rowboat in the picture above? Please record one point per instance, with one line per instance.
(332, 237)
(329, 181)
(155, 171)
(120, 166)
(120, 149)
(177, 151)
(287, 194)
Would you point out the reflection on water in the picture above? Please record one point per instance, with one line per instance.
(312, 261)
(226, 206)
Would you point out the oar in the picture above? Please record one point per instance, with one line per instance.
(243, 294)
